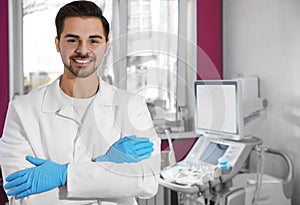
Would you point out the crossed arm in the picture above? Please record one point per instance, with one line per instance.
(47, 175)
(129, 168)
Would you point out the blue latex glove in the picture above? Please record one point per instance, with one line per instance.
(128, 149)
(45, 176)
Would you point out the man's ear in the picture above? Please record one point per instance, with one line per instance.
(57, 44)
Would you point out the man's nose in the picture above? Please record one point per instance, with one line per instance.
(82, 48)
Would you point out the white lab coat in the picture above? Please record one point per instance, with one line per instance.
(41, 125)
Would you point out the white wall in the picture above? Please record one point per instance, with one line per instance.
(262, 38)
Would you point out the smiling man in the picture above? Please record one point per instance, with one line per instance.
(82, 44)
(79, 140)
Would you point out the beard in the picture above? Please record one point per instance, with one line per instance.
(83, 71)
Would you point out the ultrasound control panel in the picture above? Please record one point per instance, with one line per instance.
(201, 164)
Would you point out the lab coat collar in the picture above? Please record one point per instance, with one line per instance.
(106, 96)
(51, 101)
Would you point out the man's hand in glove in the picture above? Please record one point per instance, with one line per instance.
(45, 176)
(128, 149)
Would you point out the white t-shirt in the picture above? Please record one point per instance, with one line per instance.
(80, 105)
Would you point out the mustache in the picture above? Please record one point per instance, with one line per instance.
(79, 55)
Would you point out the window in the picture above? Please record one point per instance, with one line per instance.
(152, 52)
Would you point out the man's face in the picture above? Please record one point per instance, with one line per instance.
(82, 45)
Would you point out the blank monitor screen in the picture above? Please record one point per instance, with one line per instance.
(216, 107)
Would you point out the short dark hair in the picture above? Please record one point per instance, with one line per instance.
(80, 9)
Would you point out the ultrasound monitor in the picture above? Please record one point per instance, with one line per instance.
(218, 108)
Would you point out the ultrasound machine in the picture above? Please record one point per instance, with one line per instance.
(216, 170)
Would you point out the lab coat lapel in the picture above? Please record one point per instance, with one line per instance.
(53, 102)
(105, 110)
(67, 111)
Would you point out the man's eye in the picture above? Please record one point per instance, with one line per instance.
(71, 40)
(94, 41)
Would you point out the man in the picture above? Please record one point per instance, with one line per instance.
(79, 140)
